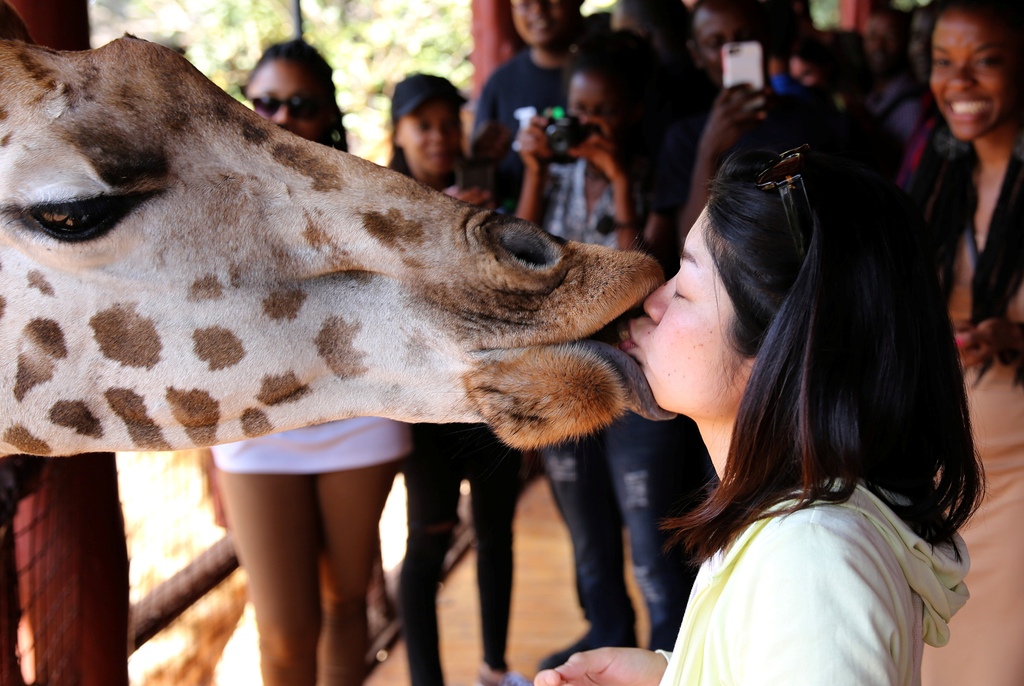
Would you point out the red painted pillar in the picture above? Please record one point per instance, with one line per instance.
(57, 24)
(494, 38)
(853, 14)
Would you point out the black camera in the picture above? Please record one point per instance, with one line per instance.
(564, 133)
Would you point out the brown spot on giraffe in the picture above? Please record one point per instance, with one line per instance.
(198, 412)
(235, 272)
(37, 280)
(131, 408)
(22, 439)
(120, 161)
(334, 343)
(3, 113)
(205, 288)
(3, 306)
(253, 133)
(324, 176)
(6, 140)
(76, 415)
(36, 71)
(218, 347)
(315, 235)
(35, 366)
(47, 335)
(283, 388)
(255, 423)
(284, 304)
(127, 337)
(32, 371)
(393, 229)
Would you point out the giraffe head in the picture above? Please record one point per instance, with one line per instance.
(175, 271)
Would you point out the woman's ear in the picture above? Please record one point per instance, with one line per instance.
(397, 137)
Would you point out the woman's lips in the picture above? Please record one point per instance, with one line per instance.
(625, 343)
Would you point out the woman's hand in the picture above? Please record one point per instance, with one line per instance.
(603, 154)
(996, 337)
(532, 144)
(735, 111)
(606, 667)
(474, 196)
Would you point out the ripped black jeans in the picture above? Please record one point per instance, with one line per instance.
(444, 455)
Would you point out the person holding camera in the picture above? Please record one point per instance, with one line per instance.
(581, 181)
(584, 181)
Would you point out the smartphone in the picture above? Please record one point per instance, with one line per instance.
(475, 173)
(743, 63)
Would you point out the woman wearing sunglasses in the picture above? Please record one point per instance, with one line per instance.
(806, 335)
(293, 86)
(304, 505)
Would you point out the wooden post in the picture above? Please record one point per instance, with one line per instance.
(494, 39)
(853, 14)
(297, 30)
(57, 24)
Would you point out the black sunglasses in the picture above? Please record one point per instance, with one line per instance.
(298, 106)
(785, 175)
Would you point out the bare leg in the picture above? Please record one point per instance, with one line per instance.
(351, 503)
(275, 523)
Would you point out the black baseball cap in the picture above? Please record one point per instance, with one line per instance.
(416, 89)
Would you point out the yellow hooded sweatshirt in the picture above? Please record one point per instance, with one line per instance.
(836, 594)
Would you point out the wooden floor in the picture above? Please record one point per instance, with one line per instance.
(545, 613)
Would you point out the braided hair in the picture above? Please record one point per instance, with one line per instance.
(302, 53)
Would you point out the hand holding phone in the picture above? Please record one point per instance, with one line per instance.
(743, 63)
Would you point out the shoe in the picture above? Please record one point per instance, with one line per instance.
(487, 678)
(558, 659)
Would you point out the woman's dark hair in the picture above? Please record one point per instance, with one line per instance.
(663, 23)
(302, 53)
(855, 375)
(623, 57)
(753, 9)
(943, 187)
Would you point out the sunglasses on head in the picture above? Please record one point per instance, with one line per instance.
(298, 106)
(786, 176)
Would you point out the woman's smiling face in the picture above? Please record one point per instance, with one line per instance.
(976, 71)
(683, 344)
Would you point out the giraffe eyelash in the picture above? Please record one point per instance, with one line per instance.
(83, 219)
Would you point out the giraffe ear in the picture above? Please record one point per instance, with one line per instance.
(11, 25)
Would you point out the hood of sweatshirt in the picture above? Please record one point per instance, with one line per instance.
(935, 573)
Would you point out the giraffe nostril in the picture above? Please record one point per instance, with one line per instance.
(529, 245)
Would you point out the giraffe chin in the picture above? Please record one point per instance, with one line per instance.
(639, 397)
(532, 397)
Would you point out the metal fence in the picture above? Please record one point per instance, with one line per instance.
(64, 565)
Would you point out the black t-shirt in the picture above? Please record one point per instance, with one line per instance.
(517, 83)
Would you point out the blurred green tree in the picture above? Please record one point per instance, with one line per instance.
(371, 44)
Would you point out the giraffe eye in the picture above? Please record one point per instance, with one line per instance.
(82, 220)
